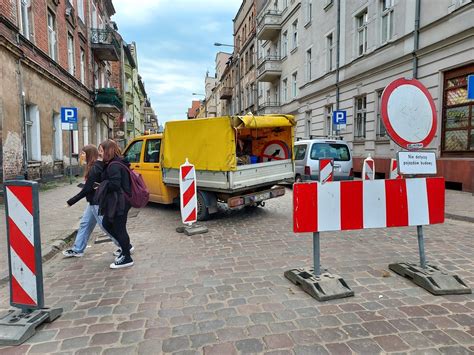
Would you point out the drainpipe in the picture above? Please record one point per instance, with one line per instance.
(23, 115)
(338, 51)
(416, 38)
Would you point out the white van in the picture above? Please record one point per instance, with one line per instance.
(307, 155)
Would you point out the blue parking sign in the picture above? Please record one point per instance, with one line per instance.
(470, 87)
(68, 114)
(339, 117)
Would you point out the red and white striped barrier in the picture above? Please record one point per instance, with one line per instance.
(188, 191)
(394, 170)
(26, 280)
(348, 205)
(368, 169)
(326, 170)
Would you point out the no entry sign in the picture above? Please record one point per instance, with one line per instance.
(409, 113)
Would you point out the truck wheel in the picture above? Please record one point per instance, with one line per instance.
(298, 178)
(202, 212)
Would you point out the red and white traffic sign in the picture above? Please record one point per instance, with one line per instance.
(409, 113)
(326, 170)
(348, 205)
(394, 169)
(26, 280)
(275, 150)
(188, 192)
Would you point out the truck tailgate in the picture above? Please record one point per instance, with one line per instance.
(246, 176)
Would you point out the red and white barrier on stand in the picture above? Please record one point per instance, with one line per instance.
(326, 170)
(394, 170)
(348, 205)
(368, 169)
(25, 253)
(188, 192)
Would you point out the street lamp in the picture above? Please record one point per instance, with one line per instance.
(217, 44)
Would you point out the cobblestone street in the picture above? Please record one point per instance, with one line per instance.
(224, 292)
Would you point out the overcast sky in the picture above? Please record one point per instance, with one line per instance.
(175, 42)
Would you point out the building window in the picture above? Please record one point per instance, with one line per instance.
(330, 52)
(387, 20)
(328, 119)
(57, 137)
(381, 131)
(309, 11)
(361, 21)
(33, 133)
(52, 36)
(70, 53)
(294, 90)
(25, 16)
(277, 95)
(285, 90)
(308, 65)
(360, 117)
(285, 4)
(83, 66)
(80, 10)
(251, 56)
(458, 115)
(284, 47)
(295, 35)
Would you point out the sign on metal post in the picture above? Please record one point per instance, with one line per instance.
(409, 113)
(25, 264)
(339, 119)
(413, 163)
(188, 193)
(69, 118)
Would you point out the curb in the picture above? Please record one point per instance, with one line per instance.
(55, 248)
(459, 218)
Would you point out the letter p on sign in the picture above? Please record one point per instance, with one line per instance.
(69, 114)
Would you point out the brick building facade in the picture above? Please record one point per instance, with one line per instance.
(54, 54)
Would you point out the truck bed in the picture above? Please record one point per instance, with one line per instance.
(245, 177)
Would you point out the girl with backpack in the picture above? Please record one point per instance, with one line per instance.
(112, 200)
(90, 217)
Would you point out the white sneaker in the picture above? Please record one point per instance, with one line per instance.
(71, 253)
(121, 262)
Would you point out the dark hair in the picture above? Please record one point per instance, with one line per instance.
(111, 150)
(91, 156)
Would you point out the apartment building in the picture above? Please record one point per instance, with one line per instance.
(54, 54)
(318, 56)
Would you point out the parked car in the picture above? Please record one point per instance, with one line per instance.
(308, 152)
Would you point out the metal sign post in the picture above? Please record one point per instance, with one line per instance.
(69, 123)
(25, 265)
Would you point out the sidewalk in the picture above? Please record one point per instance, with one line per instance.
(58, 223)
(460, 205)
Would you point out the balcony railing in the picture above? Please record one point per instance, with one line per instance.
(269, 107)
(225, 93)
(104, 44)
(269, 68)
(269, 25)
(108, 100)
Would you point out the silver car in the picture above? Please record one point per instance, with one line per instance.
(307, 155)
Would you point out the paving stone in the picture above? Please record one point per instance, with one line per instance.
(416, 340)
(310, 350)
(158, 333)
(379, 327)
(338, 349)
(75, 343)
(331, 335)
(305, 337)
(455, 350)
(355, 331)
(15, 350)
(258, 330)
(185, 329)
(44, 348)
(119, 351)
(220, 349)
(43, 336)
(131, 325)
(210, 326)
(364, 346)
(438, 337)
(391, 343)
(463, 319)
(150, 346)
(175, 344)
(71, 332)
(228, 334)
(199, 340)
(132, 337)
(249, 346)
(105, 338)
(308, 312)
(278, 341)
(403, 325)
(89, 351)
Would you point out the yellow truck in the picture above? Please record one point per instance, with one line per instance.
(239, 160)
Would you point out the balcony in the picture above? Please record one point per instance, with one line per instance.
(269, 25)
(225, 93)
(104, 45)
(108, 101)
(269, 69)
(268, 108)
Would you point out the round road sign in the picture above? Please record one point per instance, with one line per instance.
(409, 113)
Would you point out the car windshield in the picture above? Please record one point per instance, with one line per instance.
(300, 151)
(336, 151)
